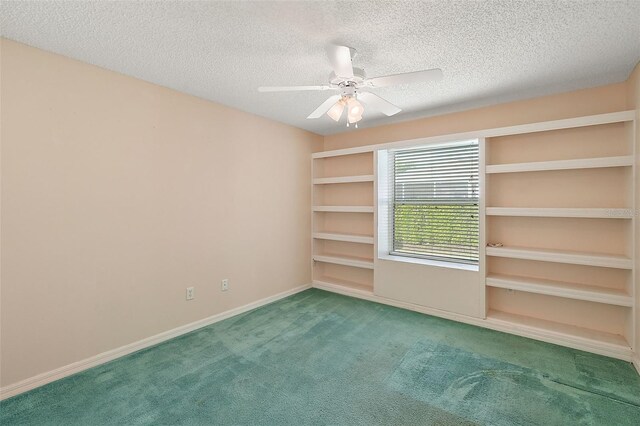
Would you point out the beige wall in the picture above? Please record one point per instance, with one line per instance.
(566, 105)
(633, 101)
(118, 194)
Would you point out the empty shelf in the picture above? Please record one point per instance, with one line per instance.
(332, 283)
(562, 256)
(344, 209)
(343, 179)
(561, 289)
(555, 329)
(352, 238)
(560, 212)
(344, 151)
(358, 262)
(583, 163)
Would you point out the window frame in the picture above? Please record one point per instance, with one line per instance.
(385, 202)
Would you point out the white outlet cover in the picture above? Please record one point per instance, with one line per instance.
(190, 293)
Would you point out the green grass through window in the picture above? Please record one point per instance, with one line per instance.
(449, 231)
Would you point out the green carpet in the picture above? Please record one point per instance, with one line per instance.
(318, 358)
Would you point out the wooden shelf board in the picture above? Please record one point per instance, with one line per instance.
(562, 256)
(561, 289)
(556, 329)
(343, 179)
(584, 163)
(595, 213)
(344, 209)
(333, 283)
(358, 262)
(352, 238)
(342, 152)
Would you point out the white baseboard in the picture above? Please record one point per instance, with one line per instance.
(76, 367)
(636, 362)
(550, 337)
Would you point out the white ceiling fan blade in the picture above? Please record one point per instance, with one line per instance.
(376, 102)
(405, 78)
(326, 105)
(292, 88)
(340, 58)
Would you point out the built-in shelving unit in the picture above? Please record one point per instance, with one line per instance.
(343, 225)
(559, 220)
(560, 210)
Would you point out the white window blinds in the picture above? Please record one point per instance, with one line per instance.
(435, 202)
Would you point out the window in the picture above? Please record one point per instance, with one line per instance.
(434, 203)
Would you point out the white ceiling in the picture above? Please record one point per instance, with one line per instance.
(490, 52)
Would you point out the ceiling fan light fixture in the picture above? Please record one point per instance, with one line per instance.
(335, 112)
(354, 118)
(355, 108)
(355, 111)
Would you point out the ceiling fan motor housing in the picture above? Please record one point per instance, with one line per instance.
(355, 80)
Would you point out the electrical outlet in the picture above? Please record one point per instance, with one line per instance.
(191, 293)
(224, 286)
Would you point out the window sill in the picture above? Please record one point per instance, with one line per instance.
(429, 262)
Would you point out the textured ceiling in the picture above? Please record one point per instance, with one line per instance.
(490, 52)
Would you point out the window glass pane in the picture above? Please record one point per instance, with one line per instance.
(435, 202)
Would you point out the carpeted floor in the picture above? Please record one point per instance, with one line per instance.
(320, 358)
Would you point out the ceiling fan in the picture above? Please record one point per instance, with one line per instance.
(354, 87)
